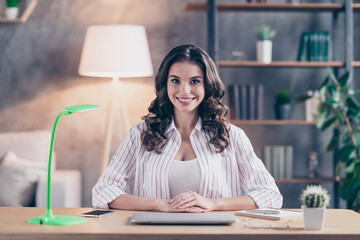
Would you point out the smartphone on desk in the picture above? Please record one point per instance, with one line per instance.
(96, 213)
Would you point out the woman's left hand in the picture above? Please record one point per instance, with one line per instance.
(190, 199)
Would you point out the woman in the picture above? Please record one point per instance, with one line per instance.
(186, 156)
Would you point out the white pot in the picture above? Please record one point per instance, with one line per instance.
(264, 51)
(12, 12)
(313, 218)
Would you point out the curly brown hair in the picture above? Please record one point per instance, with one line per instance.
(211, 110)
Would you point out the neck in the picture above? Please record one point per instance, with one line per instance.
(185, 121)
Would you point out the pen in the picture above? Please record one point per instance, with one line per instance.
(262, 211)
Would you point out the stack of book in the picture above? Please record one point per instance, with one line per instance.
(246, 101)
(315, 46)
(278, 161)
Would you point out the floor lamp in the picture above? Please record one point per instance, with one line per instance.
(117, 52)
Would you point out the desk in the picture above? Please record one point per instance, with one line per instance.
(339, 224)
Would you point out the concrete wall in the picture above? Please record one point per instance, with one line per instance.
(39, 61)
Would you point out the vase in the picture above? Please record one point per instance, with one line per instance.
(313, 218)
(283, 111)
(12, 12)
(264, 51)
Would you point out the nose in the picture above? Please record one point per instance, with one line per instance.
(185, 88)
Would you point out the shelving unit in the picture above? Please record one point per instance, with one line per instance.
(271, 7)
(347, 8)
(271, 122)
(306, 180)
(24, 17)
(280, 64)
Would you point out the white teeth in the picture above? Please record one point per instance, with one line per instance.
(185, 100)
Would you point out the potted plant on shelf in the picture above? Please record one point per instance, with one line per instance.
(314, 201)
(282, 105)
(264, 43)
(12, 9)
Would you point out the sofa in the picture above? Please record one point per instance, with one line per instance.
(24, 160)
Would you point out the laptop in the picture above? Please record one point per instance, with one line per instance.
(184, 218)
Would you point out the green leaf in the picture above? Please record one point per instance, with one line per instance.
(357, 137)
(324, 112)
(350, 167)
(344, 79)
(344, 90)
(350, 187)
(333, 77)
(324, 86)
(328, 123)
(345, 189)
(352, 103)
(332, 90)
(347, 152)
(334, 143)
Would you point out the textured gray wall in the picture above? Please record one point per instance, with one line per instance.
(39, 61)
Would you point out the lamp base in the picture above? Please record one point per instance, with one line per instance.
(57, 220)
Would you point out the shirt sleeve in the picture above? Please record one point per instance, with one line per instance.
(119, 173)
(256, 181)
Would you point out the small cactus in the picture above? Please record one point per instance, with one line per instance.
(315, 197)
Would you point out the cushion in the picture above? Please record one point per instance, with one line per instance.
(31, 145)
(18, 179)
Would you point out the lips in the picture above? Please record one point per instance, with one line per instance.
(185, 100)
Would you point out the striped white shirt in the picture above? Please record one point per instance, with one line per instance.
(234, 172)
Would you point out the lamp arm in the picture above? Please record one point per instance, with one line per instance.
(50, 158)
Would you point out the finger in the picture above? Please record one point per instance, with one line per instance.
(179, 197)
(188, 204)
(182, 201)
(195, 210)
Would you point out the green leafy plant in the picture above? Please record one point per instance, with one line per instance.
(283, 97)
(12, 3)
(265, 33)
(339, 108)
(315, 196)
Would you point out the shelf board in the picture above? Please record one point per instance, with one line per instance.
(356, 6)
(305, 180)
(272, 122)
(280, 64)
(24, 17)
(233, 6)
(356, 63)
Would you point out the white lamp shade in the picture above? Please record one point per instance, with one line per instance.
(116, 51)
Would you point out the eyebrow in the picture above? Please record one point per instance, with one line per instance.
(174, 76)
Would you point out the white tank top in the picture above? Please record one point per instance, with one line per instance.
(184, 176)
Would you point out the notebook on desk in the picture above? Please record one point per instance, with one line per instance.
(184, 218)
(269, 213)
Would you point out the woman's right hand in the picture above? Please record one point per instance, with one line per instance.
(164, 206)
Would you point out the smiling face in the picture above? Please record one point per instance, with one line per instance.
(185, 87)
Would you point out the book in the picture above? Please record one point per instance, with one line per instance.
(234, 102)
(289, 153)
(302, 56)
(281, 161)
(259, 93)
(251, 101)
(276, 161)
(267, 158)
(243, 102)
(269, 213)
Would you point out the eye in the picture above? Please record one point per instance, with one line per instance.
(195, 81)
(175, 80)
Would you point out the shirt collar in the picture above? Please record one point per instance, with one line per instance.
(172, 126)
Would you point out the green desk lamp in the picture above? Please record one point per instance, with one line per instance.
(50, 218)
